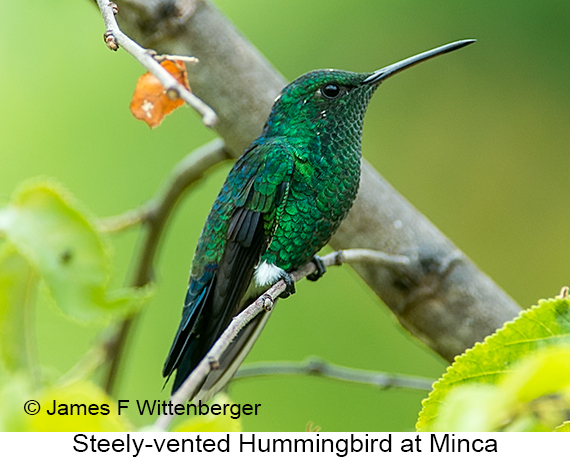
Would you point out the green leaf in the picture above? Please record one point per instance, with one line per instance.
(543, 373)
(564, 427)
(538, 389)
(471, 407)
(103, 416)
(18, 285)
(533, 396)
(543, 325)
(210, 422)
(44, 223)
(15, 390)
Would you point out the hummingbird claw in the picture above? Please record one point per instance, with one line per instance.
(289, 286)
(214, 363)
(321, 269)
(268, 302)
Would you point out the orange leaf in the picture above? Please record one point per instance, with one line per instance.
(150, 102)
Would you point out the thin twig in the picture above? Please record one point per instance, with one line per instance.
(186, 59)
(265, 302)
(315, 366)
(123, 221)
(86, 366)
(114, 38)
(373, 257)
(155, 215)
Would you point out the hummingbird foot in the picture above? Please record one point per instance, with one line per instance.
(320, 271)
(289, 285)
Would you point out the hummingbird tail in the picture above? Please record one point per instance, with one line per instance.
(231, 360)
(215, 297)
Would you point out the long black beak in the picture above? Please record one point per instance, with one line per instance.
(380, 75)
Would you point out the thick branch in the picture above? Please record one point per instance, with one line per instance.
(114, 38)
(155, 214)
(317, 367)
(440, 296)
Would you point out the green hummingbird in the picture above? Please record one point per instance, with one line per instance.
(281, 203)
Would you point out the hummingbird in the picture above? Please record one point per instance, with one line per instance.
(281, 203)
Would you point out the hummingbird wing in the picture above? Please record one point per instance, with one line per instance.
(244, 215)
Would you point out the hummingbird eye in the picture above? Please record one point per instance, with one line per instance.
(331, 90)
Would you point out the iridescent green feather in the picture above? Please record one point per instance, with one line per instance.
(252, 183)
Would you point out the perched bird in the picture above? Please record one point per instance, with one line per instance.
(281, 203)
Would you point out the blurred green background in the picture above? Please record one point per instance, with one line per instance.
(477, 140)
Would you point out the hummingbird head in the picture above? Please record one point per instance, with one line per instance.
(319, 101)
(329, 105)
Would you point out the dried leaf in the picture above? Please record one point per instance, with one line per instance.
(150, 101)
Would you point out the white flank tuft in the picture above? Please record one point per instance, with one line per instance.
(267, 273)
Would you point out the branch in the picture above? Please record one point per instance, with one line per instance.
(441, 297)
(154, 214)
(315, 366)
(123, 221)
(114, 38)
(265, 302)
